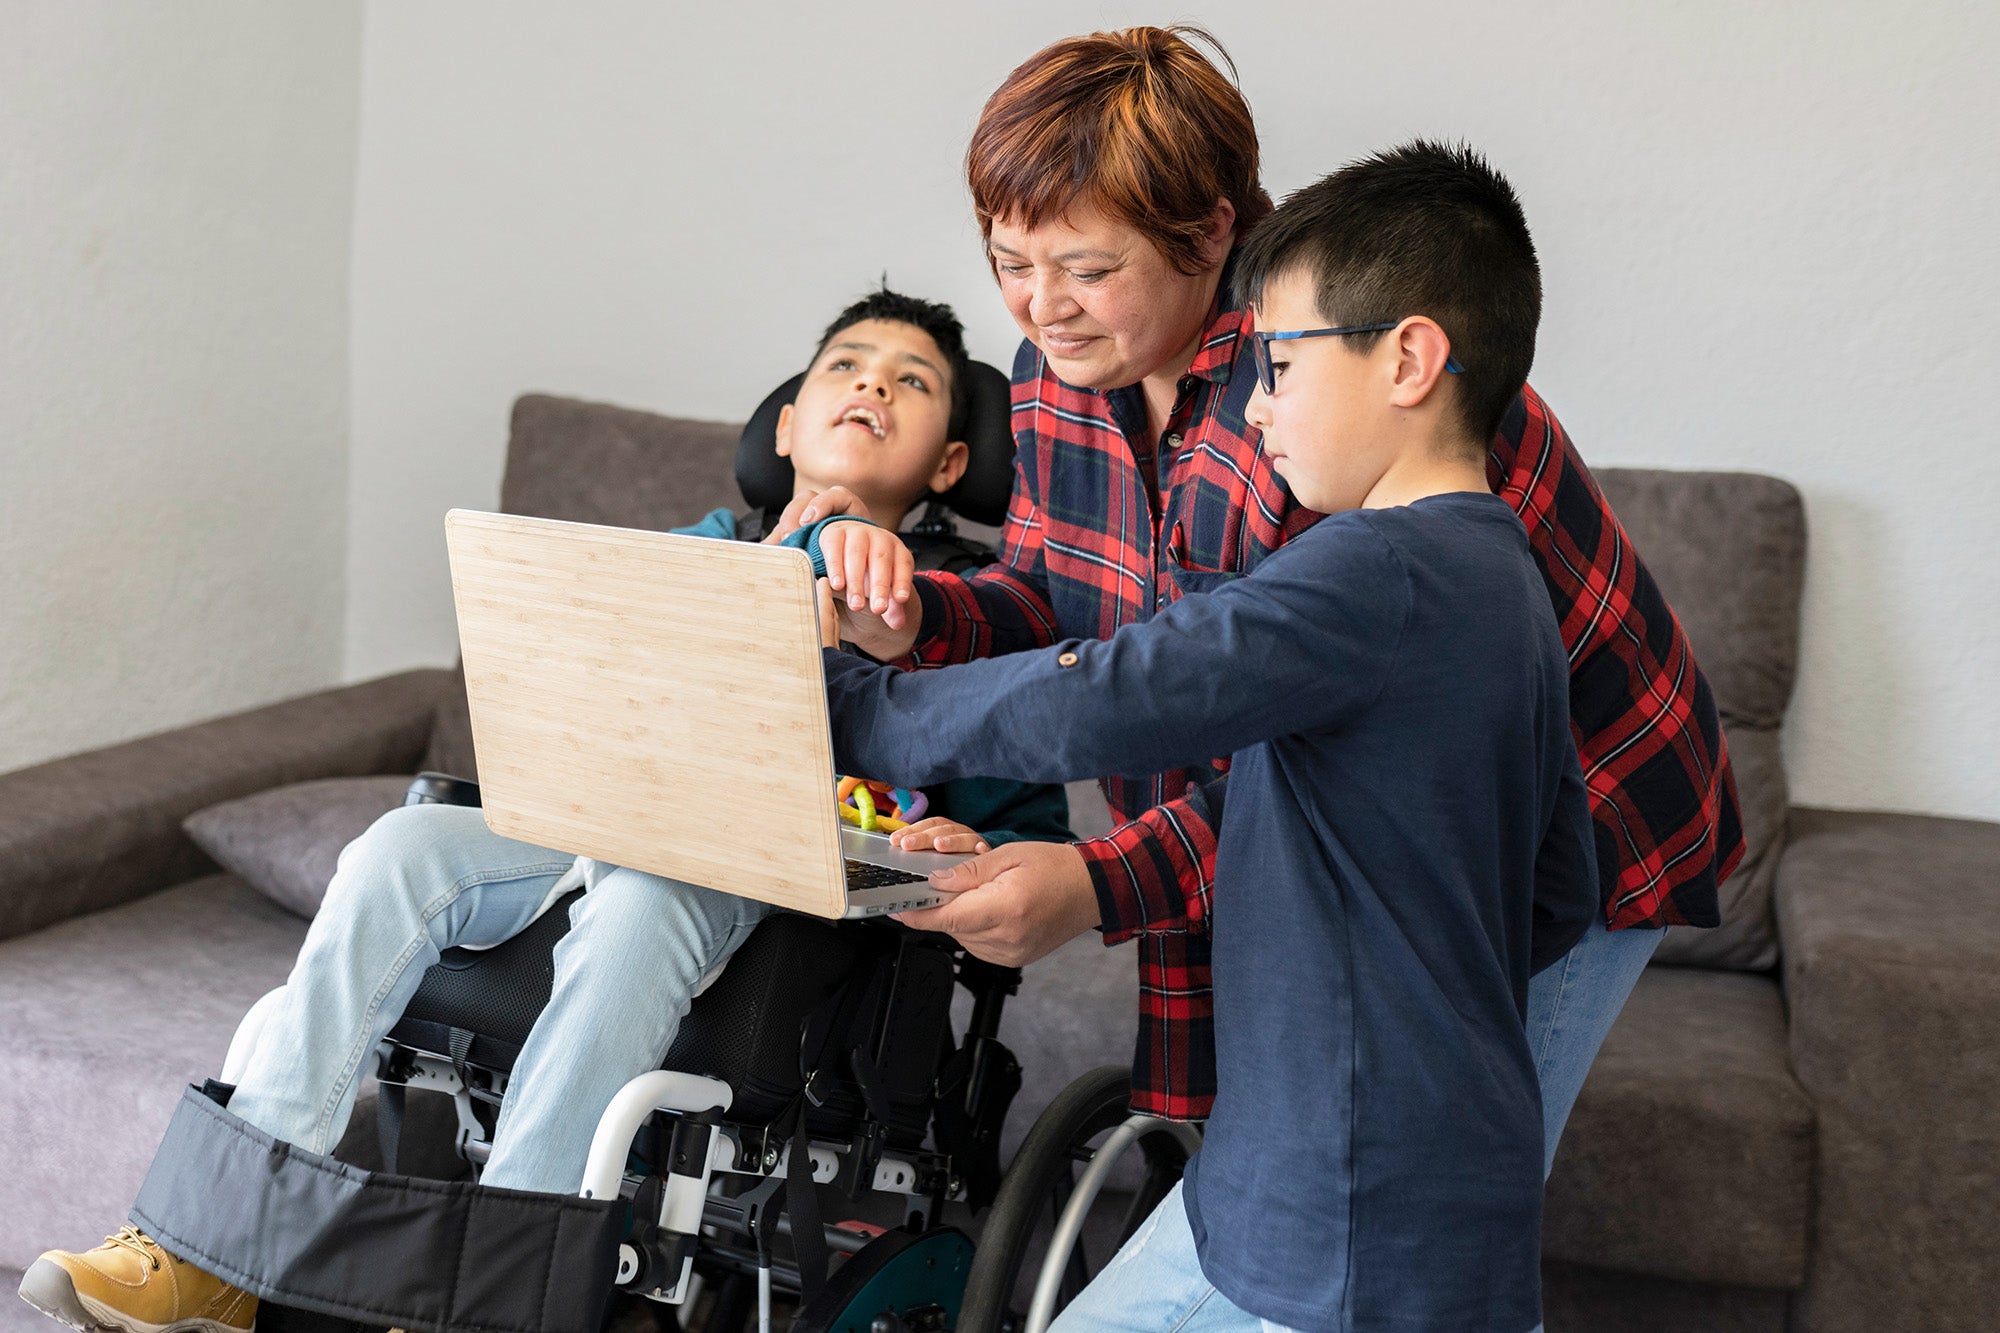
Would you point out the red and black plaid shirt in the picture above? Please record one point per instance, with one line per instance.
(1106, 526)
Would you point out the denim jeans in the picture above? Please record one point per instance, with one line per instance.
(1571, 1005)
(1154, 1285)
(425, 878)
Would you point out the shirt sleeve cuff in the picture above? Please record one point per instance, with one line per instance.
(933, 645)
(1143, 886)
(1117, 896)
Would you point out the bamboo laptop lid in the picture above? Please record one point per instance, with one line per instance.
(651, 700)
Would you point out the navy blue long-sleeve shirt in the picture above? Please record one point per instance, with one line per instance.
(1405, 832)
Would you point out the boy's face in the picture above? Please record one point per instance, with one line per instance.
(871, 415)
(1329, 429)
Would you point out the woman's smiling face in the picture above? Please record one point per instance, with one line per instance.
(1100, 299)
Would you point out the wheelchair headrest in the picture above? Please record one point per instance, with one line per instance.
(980, 495)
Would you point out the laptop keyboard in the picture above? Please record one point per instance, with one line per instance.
(861, 875)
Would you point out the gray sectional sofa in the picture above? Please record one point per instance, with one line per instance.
(1795, 1124)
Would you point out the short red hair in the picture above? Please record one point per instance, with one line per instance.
(1138, 123)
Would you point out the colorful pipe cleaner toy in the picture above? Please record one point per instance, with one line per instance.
(876, 807)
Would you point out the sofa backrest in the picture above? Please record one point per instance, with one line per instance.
(594, 463)
(1728, 550)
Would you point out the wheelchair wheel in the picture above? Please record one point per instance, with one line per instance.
(1015, 1246)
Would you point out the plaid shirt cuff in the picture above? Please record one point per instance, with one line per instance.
(957, 628)
(933, 629)
(1151, 875)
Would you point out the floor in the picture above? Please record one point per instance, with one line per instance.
(16, 1315)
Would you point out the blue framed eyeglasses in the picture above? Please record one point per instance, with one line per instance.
(1260, 348)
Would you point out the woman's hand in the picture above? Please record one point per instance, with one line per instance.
(938, 834)
(1019, 902)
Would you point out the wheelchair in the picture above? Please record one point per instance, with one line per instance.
(820, 1065)
(819, 1072)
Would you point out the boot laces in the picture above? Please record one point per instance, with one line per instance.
(137, 1241)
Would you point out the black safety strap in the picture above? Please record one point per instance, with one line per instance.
(825, 1029)
(458, 1044)
(389, 1122)
(802, 1202)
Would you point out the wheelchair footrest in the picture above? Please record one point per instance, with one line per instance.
(309, 1232)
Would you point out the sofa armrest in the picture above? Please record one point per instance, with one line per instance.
(104, 827)
(1890, 931)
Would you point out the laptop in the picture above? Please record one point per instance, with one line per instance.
(656, 701)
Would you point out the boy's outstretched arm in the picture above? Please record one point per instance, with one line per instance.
(1304, 643)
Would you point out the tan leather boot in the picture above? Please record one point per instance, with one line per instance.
(130, 1285)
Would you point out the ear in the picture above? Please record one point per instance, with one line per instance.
(1421, 350)
(951, 467)
(784, 431)
(1220, 237)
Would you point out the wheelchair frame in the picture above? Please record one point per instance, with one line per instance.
(685, 1208)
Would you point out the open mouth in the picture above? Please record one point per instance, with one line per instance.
(862, 416)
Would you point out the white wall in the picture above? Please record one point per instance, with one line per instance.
(176, 188)
(1765, 232)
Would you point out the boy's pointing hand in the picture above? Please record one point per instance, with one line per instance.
(1017, 903)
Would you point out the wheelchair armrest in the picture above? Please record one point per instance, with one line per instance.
(441, 789)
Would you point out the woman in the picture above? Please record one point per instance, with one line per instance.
(1113, 175)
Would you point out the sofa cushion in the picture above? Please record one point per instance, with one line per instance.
(1747, 939)
(1596, 1300)
(451, 734)
(1892, 931)
(109, 1016)
(1728, 551)
(1689, 1154)
(286, 841)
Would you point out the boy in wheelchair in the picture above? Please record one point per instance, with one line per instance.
(882, 414)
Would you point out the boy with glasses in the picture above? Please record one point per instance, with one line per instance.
(1405, 839)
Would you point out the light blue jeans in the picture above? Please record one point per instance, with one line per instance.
(1155, 1281)
(427, 877)
(1572, 1003)
(1154, 1285)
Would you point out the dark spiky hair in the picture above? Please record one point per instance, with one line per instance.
(933, 317)
(1423, 229)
